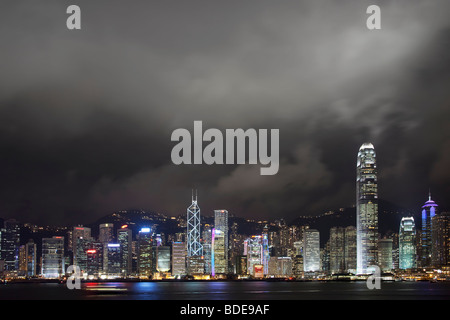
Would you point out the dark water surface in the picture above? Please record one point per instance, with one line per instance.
(211, 290)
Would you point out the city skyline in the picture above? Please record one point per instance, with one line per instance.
(201, 251)
(156, 255)
(86, 116)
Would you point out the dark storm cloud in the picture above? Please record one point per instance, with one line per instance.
(86, 116)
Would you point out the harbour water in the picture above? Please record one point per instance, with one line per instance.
(227, 290)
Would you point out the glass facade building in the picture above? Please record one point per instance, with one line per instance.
(106, 233)
(337, 250)
(113, 260)
(53, 257)
(407, 244)
(194, 247)
(366, 209)
(311, 250)
(145, 253)
(441, 239)
(429, 210)
(220, 241)
(124, 237)
(163, 259)
(385, 254)
(178, 258)
(10, 243)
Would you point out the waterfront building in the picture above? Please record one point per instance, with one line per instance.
(195, 265)
(241, 265)
(441, 239)
(297, 266)
(257, 251)
(113, 260)
(385, 255)
(53, 257)
(81, 237)
(366, 209)
(178, 259)
(311, 250)
(94, 257)
(350, 249)
(337, 250)
(145, 253)
(9, 245)
(194, 247)
(124, 238)
(219, 263)
(30, 258)
(429, 210)
(220, 238)
(407, 244)
(163, 259)
(207, 243)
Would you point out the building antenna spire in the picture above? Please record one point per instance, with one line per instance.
(429, 194)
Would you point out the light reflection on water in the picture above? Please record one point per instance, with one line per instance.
(228, 290)
(261, 290)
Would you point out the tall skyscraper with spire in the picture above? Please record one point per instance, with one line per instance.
(366, 209)
(429, 210)
(194, 247)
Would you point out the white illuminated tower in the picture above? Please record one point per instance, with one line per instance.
(366, 210)
(194, 247)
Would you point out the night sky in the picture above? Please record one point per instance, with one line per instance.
(86, 115)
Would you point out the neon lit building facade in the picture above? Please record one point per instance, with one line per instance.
(429, 210)
(366, 209)
(257, 251)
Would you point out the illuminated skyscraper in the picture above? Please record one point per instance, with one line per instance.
(220, 241)
(178, 258)
(429, 210)
(162, 259)
(254, 252)
(366, 209)
(407, 244)
(337, 249)
(53, 257)
(218, 257)
(81, 236)
(194, 247)
(145, 253)
(27, 259)
(124, 237)
(350, 249)
(441, 239)
(94, 260)
(311, 250)
(106, 233)
(385, 254)
(10, 243)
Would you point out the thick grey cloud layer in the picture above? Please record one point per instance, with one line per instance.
(86, 116)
